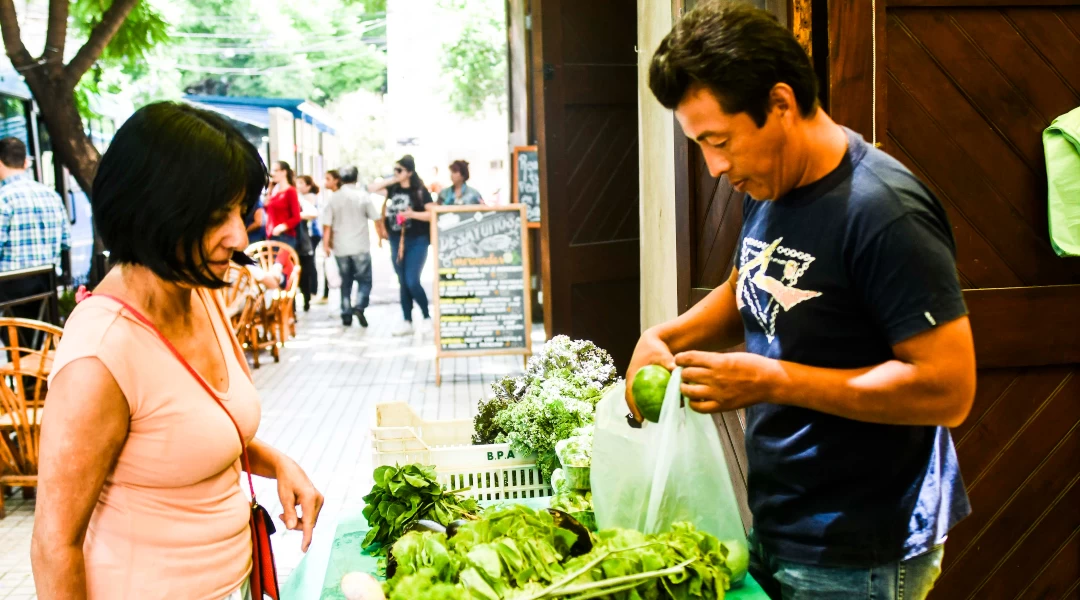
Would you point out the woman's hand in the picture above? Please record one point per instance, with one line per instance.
(295, 489)
(280, 229)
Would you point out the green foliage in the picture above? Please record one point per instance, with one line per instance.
(318, 49)
(405, 495)
(125, 56)
(144, 29)
(519, 554)
(475, 63)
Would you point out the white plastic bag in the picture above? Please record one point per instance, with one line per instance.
(333, 275)
(664, 473)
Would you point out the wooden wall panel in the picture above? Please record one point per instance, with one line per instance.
(970, 85)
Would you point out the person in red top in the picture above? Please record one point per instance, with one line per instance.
(283, 206)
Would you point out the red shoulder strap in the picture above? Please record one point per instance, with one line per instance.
(194, 374)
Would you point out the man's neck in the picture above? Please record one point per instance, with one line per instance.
(822, 145)
(7, 173)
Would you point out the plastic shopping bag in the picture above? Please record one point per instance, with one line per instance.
(664, 473)
(333, 275)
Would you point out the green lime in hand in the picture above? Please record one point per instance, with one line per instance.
(650, 385)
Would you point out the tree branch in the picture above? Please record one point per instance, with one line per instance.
(57, 33)
(99, 38)
(13, 45)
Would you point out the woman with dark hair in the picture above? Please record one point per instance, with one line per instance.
(150, 396)
(407, 221)
(283, 205)
(309, 227)
(459, 193)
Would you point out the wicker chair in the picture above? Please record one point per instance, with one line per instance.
(26, 359)
(20, 434)
(241, 299)
(266, 254)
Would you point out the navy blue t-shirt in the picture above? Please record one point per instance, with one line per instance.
(832, 275)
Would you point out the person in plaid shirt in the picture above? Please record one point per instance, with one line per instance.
(34, 227)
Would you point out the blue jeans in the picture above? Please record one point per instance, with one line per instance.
(900, 580)
(354, 268)
(408, 273)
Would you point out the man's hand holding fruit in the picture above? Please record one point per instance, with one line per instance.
(716, 382)
(712, 323)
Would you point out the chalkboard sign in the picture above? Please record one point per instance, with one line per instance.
(526, 189)
(482, 299)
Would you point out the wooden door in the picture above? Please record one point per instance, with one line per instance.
(586, 122)
(962, 91)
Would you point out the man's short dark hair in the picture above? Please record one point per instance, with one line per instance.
(349, 174)
(13, 153)
(171, 173)
(460, 166)
(739, 53)
(334, 175)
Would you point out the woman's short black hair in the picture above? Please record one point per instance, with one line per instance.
(171, 173)
(739, 53)
(460, 166)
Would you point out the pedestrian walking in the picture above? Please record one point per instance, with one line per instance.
(305, 239)
(152, 411)
(347, 236)
(283, 205)
(459, 194)
(331, 184)
(407, 221)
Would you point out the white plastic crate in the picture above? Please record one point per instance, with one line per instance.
(490, 472)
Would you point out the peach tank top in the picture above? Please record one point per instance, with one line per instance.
(172, 519)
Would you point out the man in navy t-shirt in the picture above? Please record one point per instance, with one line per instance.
(858, 355)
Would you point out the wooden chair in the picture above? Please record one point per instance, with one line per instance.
(240, 300)
(20, 433)
(27, 349)
(287, 306)
(266, 254)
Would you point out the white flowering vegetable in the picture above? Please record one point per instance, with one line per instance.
(361, 586)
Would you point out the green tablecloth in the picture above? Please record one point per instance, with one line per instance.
(318, 576)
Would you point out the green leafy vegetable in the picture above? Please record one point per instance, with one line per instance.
(403, 495)
(572, 501)
(576, 450)
(516, 553)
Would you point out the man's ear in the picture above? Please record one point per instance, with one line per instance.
(782, 100)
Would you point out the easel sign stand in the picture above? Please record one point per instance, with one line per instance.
(482, 296)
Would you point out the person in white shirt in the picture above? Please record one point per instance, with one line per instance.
(345, 235)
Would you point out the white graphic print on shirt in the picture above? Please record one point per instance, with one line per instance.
(767, 295)
(396, 204)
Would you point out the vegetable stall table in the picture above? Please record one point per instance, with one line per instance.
(318, 576)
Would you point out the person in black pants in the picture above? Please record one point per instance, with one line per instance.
(309, 276)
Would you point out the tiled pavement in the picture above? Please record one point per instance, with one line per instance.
(318, 405)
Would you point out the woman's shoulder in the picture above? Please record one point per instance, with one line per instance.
(90, 331)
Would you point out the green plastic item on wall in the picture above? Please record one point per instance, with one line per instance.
(1061, 143)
